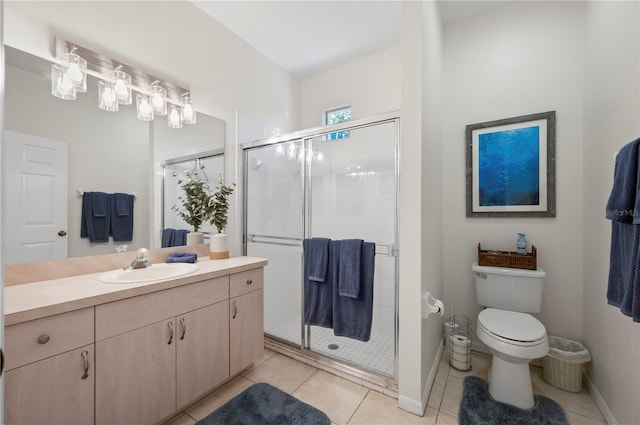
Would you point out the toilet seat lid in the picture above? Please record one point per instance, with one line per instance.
(512, 325)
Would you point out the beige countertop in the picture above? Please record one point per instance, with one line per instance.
(35, 300)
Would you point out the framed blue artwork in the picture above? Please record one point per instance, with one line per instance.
(511, 167)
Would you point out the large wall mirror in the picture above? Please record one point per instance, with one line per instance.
(95, 151)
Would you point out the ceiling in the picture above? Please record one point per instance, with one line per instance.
(306, 36)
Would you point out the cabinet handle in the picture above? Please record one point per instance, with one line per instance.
(249, 281)
(170, 324)
(235, 309)
(184, 328)
(43, 339)
(85, 356)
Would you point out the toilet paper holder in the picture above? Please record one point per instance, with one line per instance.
(431, 305)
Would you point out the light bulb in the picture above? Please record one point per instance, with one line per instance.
(174, 117)
(187, 112)
(145, 108)
(109, 96)
(158, 100)
(65, 85)
(121, 89)
(74, 73)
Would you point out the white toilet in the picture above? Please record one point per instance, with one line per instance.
(513, 336)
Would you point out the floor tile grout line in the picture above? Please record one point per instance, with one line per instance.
(358, 407)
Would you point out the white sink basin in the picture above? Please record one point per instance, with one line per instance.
(158, 271)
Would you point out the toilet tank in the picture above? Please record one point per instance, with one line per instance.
(509, 289)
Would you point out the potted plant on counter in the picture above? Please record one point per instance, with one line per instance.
(219, 246)
(196, 205)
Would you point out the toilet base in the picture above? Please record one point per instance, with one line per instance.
(510, 382)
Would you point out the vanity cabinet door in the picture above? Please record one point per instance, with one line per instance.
(56, 390)
(202, 351)
(246, 330)
(136, 375)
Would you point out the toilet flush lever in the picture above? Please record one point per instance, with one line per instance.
(482, 275)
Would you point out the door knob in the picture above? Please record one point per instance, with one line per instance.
(62, 233)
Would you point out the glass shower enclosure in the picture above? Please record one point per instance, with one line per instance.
(312, 184)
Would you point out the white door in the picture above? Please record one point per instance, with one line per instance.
(35, 198)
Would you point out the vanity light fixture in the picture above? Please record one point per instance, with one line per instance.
(61, 85)
(188, 114)
(122, 86)
(116, 84)
(159, 99)
(144, 109)
(107, 97)
(76, 70)
(173, 119)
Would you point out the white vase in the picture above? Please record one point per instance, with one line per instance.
(195, 238)
(219, 246)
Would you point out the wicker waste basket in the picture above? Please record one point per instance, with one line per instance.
(563, 364)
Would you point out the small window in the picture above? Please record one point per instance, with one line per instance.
(334, 116)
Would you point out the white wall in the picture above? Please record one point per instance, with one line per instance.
(175, 41)
(371, 85)
(518, 60)
(612, 108)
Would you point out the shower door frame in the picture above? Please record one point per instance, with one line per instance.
(306, 138)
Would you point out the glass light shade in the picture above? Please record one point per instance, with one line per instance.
(144, 109)
(122, 88)
(188, 113)
(173, 119)
(61, 85)
(76, 70)
(107, 98)
(159, 99)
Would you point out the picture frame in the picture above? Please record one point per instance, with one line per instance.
(510, 167)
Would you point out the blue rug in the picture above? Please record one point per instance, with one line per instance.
(479, 408)
(263, 404)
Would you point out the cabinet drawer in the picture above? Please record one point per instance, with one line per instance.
(38, 339)
(244, 282)
(135, 312)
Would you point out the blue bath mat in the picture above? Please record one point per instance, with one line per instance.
(263, 404)
(479, 408)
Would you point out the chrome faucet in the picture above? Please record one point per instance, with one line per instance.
(141, 261)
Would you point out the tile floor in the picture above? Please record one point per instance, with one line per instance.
(347, 403)
(376, 355)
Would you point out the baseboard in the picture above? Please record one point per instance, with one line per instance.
(597, 398)
(418, 407)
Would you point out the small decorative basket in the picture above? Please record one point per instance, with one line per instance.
(508, 259)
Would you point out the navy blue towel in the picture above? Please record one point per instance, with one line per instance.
(182, 257)
(318, 253)
(317, 295)
(349, 269)
(179, 237)
(122, 217)
(95, 222)
(352, 317)
(167, 237)
(623, 209)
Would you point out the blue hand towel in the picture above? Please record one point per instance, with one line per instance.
(179, 237)
(182, 257)
(349, 269)
(123, 203)
(95, 227)
(318, 253)
(317, 295)
(352, 317)
(167, 237)
(623, 209)
(99, 204)
(122, 217)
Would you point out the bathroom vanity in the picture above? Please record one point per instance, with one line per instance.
(79, 351)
